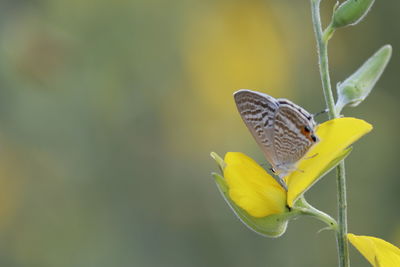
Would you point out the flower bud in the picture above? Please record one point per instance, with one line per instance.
(356, 88)
(350, 12)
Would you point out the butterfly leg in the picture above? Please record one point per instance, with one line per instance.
(300, 170)
(282, 183)
(313, 156)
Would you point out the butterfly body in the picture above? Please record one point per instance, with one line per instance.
(283, 130)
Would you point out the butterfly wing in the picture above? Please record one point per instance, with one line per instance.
(291, 139)
(258, 112)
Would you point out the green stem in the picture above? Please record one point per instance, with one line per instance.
(323, 59)
(322, 44)
(342, 215)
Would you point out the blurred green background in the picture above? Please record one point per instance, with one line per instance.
(109, 110)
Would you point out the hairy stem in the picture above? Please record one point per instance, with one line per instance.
(342, 216)
(322, 44)
(323, 59)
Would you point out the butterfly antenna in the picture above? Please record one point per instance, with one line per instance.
(320, 113)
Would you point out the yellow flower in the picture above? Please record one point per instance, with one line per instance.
(253, 195)
(335, 136)
(377, 251)
(251, 188)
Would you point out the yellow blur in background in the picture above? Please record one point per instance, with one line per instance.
(109, 110)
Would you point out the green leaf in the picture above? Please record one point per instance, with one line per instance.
(358, 86)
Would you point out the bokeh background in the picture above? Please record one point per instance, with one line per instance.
(109, 110)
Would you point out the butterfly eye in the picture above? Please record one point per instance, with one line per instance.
(307, 129)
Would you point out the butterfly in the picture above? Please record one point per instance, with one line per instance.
(283, 130)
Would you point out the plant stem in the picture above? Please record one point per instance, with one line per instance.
(342, 216)
(322, 44)
(323, 59)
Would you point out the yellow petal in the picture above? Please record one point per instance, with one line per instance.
(334, 135)
(251, 187)
(377, 251)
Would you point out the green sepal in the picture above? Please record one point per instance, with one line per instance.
(304, 208)
(350, 12)
(270, 226)
(221, 163)
(357, 87)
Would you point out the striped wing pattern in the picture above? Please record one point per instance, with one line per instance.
(258, 111)
(289, 140)
(278, 126)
